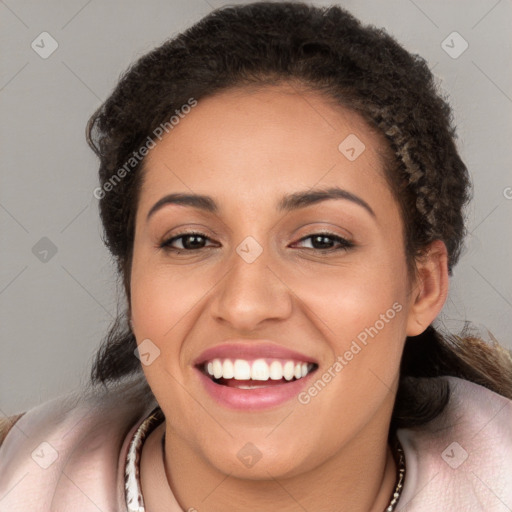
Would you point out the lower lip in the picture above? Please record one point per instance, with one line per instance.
(253, 399)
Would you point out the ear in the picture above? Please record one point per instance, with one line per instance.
(430, 289)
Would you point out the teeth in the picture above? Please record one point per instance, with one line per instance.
(242, 370)
(276, 370)
(228, 371)
(258, 369)
(288, 369)
(217, 368)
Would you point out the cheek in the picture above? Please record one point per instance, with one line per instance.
(349, 298)
(361, 312)
(159, 301)
(162, 311)
(166, 303)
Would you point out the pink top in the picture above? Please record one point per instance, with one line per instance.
(70, 454)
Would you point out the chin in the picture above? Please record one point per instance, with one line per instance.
(261, 460)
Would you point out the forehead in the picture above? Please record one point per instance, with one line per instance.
(253, 144)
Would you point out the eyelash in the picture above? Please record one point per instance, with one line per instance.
(345, 245)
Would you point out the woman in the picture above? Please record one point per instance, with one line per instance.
(282, 193)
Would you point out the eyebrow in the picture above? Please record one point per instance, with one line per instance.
(287, 203)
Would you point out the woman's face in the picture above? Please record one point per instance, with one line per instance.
(262, 283)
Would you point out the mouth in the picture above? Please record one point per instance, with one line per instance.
(253, 376)
(246, 374)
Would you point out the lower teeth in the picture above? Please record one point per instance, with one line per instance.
(251, 387)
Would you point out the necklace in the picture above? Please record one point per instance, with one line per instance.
(133, 492)
(400, 461)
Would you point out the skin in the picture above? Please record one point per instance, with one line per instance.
(247, 148)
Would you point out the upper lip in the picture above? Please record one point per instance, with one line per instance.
(251, 349)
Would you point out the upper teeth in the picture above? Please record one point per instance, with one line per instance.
(259, 369)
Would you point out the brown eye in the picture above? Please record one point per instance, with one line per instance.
(323, 242)
(189, 242)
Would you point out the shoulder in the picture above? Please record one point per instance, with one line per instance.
(463, 458)
(68, 453)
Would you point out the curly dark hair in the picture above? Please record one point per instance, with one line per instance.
(358, 67)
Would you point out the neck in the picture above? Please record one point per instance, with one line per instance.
(360, 477)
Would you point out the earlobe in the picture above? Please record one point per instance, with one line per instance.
(430, 290)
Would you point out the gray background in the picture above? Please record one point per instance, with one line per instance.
(55, 312)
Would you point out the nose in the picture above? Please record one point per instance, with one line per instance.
(250, 293)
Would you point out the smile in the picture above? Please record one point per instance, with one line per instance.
(258, 373)
(251, 375)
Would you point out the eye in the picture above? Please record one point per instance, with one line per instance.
(194, 242)
(323, 239)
